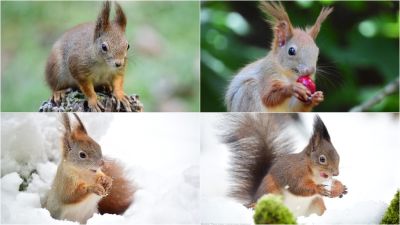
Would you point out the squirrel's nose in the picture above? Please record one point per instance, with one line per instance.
(101, 163)
(310, 70)
(118, 64)
(303, 69)
(336, 173)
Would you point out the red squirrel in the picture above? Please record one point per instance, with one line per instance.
(263, 162)
(90, 56)
(270, 84)
(86, 182)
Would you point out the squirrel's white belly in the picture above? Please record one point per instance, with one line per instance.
(81, 211)
(291, 104)
(102, 74)
(298, 205)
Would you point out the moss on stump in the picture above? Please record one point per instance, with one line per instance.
(75, 101)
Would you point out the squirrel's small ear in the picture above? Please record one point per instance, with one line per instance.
(120, 17)
(102, 22)
(80, 126)
(280, 22)
(283, 32)
(314, 30)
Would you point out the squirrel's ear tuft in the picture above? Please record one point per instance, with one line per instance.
(102, 22)
(320, 132)
(67, 135)
(120, 17)
(280, 22)
(314, 30)
(66, 123)
(320, 129)
(80, 126)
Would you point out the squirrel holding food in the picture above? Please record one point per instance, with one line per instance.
(263, 162)
(91, 56)
(282, 81)
(86, 182)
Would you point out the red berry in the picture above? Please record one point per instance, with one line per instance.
(307, 82)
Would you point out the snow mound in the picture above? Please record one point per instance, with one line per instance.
(159, 152)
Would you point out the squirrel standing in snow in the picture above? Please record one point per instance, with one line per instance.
(272, 83)
(90, 56)
(85, 182)
(263, 162)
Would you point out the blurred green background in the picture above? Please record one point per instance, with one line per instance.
(163, 66)
(359, 49)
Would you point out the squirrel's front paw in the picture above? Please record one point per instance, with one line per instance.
(94, 105)
(317, 98)
(301, 92)
(58, 96)
(338, 189)
(122, 98)
(105, 182)
(97, 189)
(323, 191)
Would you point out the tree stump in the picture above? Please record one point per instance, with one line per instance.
(75, 101)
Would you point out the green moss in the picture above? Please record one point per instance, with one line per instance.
(392, 213)
(270, 210)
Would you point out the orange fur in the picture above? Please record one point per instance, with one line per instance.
(318, 206)
(121, 193)
(276, 93)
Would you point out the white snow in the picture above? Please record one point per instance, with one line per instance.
(159, 151)
(368, 145)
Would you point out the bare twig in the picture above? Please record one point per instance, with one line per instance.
(389, 89)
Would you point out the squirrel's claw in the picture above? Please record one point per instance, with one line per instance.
(125, 102)
(105, 182)
(323, 191)
(345, 190)
(301, 92)
(97, 189)
(316, 98)
(96, 106)
(58, 96)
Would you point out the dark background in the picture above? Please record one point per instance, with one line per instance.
(359, 49)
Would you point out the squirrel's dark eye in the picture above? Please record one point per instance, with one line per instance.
(104, 47)
(292, 51)
(128, 47)
(322, 159)
(82, 155)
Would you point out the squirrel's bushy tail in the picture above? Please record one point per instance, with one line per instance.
(254, 140)
(122, 190)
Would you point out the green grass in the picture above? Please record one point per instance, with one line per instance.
(166, 79)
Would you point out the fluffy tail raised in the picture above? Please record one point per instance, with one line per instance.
(254, 140)
(122, 190)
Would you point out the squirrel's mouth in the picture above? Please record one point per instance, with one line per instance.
(324, 175)
(94, 170)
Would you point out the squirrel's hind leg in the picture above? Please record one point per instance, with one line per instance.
(317, 206)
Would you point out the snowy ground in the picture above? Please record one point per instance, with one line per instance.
(159, 151)
(369, 149)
